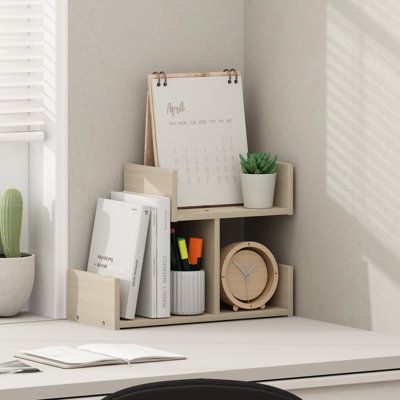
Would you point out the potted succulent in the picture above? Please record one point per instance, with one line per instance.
(17, 270)
(258, 179)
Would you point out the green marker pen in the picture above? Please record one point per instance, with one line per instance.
(184, 254)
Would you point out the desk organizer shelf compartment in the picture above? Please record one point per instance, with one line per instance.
(94, 299)
(161, 181)
(209, 230)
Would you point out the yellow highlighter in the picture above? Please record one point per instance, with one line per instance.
(184, 254)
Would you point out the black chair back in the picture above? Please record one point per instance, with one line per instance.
(202, 389)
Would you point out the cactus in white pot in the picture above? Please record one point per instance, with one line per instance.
(17, 269)
(10, 223)
(258, 179)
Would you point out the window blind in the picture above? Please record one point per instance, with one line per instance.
(21, 70)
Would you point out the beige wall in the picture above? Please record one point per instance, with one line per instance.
(113, 45)
(322, 90)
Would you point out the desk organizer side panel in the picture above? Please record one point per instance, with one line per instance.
(283, 296)
(93, 299)
(284, 187)
(151, 180)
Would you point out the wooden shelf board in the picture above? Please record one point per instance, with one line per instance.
(191, 214)
(270, 311)
(224, 315)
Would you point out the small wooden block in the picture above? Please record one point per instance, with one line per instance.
(93, 299)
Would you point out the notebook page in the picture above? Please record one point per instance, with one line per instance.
(131, 352)
(67, 355)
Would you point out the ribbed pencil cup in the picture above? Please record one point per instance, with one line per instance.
(187, 292)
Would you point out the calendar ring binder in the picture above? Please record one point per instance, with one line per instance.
(236, 74)
(158, 77)
(230, 74)
(162, 73)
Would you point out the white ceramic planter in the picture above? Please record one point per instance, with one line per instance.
(187, 292)
(258, 190)
(16, 283)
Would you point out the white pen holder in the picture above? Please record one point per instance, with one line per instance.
(187, 292)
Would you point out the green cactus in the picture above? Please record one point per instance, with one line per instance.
(10, 223)
(258, 163)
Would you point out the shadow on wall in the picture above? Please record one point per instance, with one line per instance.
(345, 236)
(363, 133)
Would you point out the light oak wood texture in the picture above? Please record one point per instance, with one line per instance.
(150, 133)
(148, 138)
(232, 253)
(224, 315)
(94, 299)
(190, 75)
(283, 296)
(283, 196)
(236, 280)
(161, 181)
(151, 180)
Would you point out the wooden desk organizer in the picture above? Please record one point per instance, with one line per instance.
(94, 299)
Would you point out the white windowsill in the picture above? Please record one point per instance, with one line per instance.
(22, 318)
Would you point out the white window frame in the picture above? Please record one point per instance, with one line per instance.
(41, 169)
(48, 188)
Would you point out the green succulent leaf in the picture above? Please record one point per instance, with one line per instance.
(258, 163)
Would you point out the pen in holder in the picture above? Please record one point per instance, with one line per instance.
(187, 292)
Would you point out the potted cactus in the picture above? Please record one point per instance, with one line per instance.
(17, 270)
(258, 179)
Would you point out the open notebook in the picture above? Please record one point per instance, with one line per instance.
(91, 355)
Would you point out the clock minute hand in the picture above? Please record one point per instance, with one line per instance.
(241, 269)
(253, 267)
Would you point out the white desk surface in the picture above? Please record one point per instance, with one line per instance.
(252, 350)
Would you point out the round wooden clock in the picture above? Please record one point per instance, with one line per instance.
(249, 275)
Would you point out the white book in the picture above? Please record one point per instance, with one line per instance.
(91, 355)
(162, 205)
(147, 298)
(117, 248)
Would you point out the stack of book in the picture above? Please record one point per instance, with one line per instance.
(131, 241)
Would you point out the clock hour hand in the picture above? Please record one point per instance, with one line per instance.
(236, 264)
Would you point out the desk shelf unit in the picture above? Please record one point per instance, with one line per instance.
(94, 299)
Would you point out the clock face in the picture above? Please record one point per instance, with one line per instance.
(246, 275)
